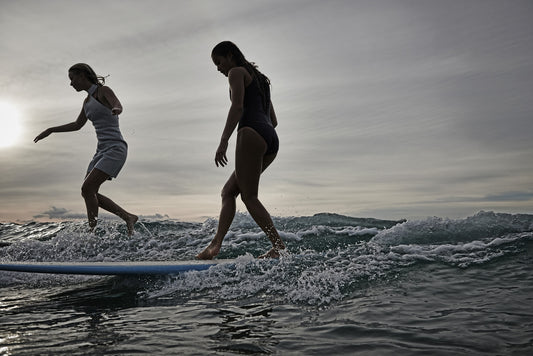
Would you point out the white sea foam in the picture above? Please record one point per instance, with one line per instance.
(328, 258)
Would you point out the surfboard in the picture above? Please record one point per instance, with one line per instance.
(112, 268)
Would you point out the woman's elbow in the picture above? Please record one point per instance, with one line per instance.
(77, 125)
(237, 110)
(237, 107)
(274, 120)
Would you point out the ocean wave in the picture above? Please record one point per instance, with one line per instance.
(329, 256)
(439, 230)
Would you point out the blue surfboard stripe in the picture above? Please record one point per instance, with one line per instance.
(111, 268)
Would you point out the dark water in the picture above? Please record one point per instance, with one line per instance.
(348, 287)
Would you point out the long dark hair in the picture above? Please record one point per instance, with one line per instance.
(227, 47)
(88, 72)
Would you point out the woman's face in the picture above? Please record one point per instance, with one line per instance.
(223, 63)
(78, 81)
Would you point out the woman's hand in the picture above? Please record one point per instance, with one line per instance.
(42, 135)
(220, 156)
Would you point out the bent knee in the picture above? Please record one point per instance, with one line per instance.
(227, 193)
(87, 190)
(248, 198)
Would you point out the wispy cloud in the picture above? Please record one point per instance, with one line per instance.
(514, 196)
(63, 213)
(59, 213)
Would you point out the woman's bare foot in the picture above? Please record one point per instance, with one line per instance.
(209, 252)
(92, 224)
(130, 223)
(273, 253)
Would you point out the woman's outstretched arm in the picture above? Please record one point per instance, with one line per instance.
(72, 126)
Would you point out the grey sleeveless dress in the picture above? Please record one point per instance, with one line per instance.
(111, 150)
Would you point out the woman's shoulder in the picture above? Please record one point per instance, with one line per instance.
(106, 93)
(105, 89)
(240, 73)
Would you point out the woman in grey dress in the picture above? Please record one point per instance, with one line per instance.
(102, 108)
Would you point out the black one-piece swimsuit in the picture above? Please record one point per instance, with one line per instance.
(257, 117)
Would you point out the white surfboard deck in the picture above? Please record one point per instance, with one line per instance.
(112, 268)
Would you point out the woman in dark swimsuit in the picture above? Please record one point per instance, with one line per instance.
(257, 145)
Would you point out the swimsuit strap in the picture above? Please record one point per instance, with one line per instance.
(92, 89)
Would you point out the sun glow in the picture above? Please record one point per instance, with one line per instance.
(10, 125)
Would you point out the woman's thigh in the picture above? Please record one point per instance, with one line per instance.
(251, 148)
(93, 180)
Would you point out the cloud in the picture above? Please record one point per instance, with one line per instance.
(381, 105)
(65, 214)
(511, 196)
(506, 197)
(59, 213)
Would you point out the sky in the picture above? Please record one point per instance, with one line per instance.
(387, 108)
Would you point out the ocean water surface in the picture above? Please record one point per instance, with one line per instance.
(348, 286)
